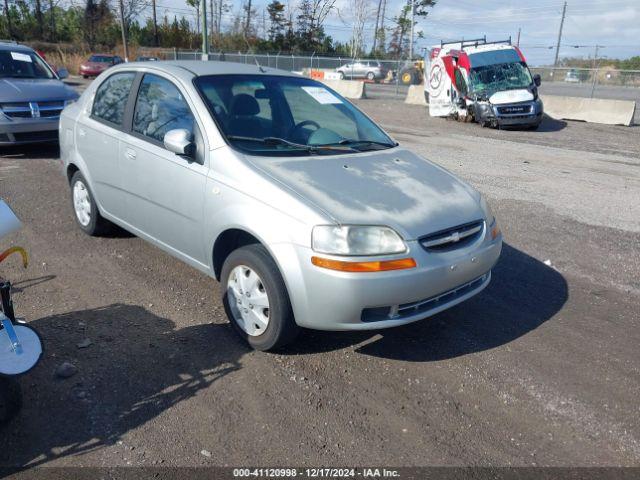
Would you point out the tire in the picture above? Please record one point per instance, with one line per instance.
(341, 75)
(281, 328)
(408, 76)
(10, 399)
(371, 76)
(95, 224)
(85, 76)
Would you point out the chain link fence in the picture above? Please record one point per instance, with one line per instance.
(600, 82)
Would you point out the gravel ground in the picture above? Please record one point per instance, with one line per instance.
(542, 368)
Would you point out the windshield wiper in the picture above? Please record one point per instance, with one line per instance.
(352, 142)
(282, 141)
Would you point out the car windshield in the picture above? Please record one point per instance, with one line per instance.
(498, 77)
(23, 64)
(279, 115)
(100, 59)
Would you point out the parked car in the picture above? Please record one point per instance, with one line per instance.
(305, 210)
(32, 96)
(144, 58)
(369, 69)
(572, 77)
(98, 63)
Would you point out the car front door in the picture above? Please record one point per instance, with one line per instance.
(96, 136)
(164, 192)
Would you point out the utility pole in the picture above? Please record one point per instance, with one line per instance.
(375, 30)
(205, 37)
(564, 12)
(248, 23)
(6, 12)
(155, 23)
(211, 13)
(413, 15)
(518, 41)
(124, 32)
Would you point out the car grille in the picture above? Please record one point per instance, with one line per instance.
(453, 238)
(46, 136)
(422, 306)
(48, 109)
(515, 109)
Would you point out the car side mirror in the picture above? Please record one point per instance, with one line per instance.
(537, 79)
(63, 73)
(179, 141)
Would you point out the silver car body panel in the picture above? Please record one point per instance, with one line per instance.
(183, 207)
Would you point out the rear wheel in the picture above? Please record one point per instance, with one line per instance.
(371, 76)
(85, 209)
(256, 300)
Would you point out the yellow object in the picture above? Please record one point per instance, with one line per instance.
(20, 250)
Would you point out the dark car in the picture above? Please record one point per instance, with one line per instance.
(98, 63)
(32, 96)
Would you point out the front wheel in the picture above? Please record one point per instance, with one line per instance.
(341, 75)
(371, 76)
(256, 300)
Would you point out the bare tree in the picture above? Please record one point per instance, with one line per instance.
(356, 14)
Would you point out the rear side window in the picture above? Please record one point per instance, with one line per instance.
(160, 107)
(111, 97)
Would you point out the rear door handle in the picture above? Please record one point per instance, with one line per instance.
(130, 153)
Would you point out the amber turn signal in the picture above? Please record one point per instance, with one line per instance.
(495, 231)
(379, 266)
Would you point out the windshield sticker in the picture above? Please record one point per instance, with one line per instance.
(21, 57)
(322, 95)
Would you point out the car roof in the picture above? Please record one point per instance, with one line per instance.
(200, 68)
(15, 47)
(103, 55)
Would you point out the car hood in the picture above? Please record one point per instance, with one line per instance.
(95, 65)
(34, 90)
(395, 187)
(511, 96)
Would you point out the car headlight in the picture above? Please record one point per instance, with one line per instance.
(70, 101)
(356, 240)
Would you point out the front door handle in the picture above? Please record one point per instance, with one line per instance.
(81, 132)
(131, 154)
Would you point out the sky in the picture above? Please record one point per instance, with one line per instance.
(612, 24)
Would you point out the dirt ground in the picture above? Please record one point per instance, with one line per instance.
(542, 368)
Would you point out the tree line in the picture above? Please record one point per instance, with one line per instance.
(299, 26)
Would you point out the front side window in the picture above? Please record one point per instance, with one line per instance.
(276, 115)
(23, 64)
(111, 97)
(160, 107)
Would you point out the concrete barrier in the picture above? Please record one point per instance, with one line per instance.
(415, 95)
(595, 110)
(351, 89)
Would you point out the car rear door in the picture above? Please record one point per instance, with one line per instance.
(164, 192)
(96, 137)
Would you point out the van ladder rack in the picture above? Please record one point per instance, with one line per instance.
(475, 42)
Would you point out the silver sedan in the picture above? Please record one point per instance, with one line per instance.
(308, 212)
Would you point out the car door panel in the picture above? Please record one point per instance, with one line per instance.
(163, 192)
(97, 132)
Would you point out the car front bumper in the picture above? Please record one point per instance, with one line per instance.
(325, 299)
(18, 131)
